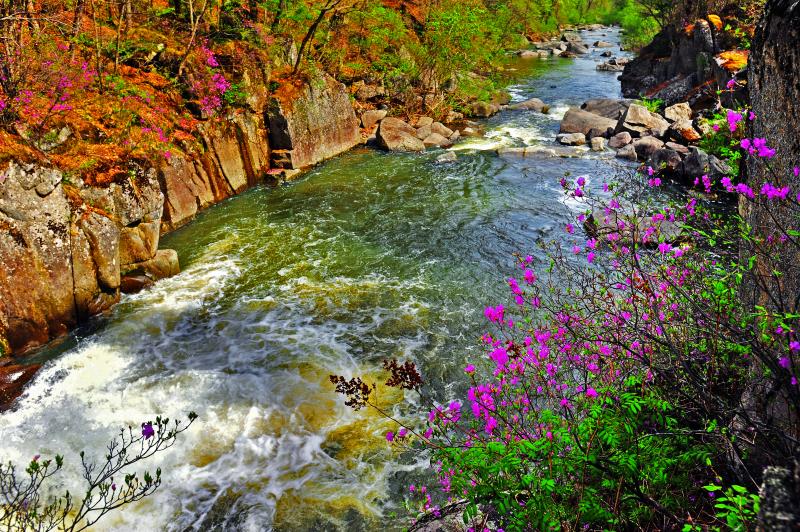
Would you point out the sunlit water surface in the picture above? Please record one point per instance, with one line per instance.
(369, 256)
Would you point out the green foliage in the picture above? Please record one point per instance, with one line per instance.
(652, 105)
(723, 143)
(736, 509)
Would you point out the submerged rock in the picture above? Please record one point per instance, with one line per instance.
(447, 157)
(534, 104)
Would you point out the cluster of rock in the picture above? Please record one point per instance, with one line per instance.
(394, 134)
(570, 44)
(662, 141)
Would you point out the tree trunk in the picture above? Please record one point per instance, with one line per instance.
(775, 98)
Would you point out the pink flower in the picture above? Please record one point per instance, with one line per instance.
(731, 84)
(733, 120)
(570, 228)
(590, 257)
(469, 369)
(591, 392)
(390, 436)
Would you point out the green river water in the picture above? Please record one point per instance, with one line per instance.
(368, 256)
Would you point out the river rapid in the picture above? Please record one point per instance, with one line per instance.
(369, 256)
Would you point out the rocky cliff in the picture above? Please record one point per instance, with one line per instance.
(687, 64)
(68, 249)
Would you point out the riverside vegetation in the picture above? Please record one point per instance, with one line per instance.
(641, 394)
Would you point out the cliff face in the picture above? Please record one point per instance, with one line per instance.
(64, 247)
(685, 64)
(67, 249)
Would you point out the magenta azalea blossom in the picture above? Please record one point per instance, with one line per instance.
(147, 430)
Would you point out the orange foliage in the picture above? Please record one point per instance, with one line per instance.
(716, 21)
(733, 60)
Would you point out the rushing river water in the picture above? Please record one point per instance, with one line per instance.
(370, 255)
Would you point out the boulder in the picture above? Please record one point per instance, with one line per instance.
(455, 136)
(528, 54)
(627, 152)
(680, 148)
(699, 163)
(577, 121)
(571, 139)
(534, 104)
(598, 144)
(607, 53)
(424, 132)
(12, 382)
(619, 140)
(610, 66)
(638, 121)
(665, 159)
(679, 111)
(571, 36)
(441, 129)
(647, 146)
(470, 132)
(603, 44)
(595, 132)
(396, 135)
(577, 48)
(423, 121)
(164, 264)
(133, 284)
(138, 243)
(483, 109)
(435, 139)
(370, 119)
(683, 131)
(612, 108)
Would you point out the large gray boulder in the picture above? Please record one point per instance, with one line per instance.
(612, 108)
(577, 48)
(396, 135)
(534, 104)
(647, 146)
(577, 121)
(665, 159)
(638, 121)
(699, 163)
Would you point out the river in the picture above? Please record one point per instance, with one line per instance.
(369, 256)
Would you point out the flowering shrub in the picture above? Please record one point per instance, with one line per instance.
(627, 373)
(28, 503)
(210, 86)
